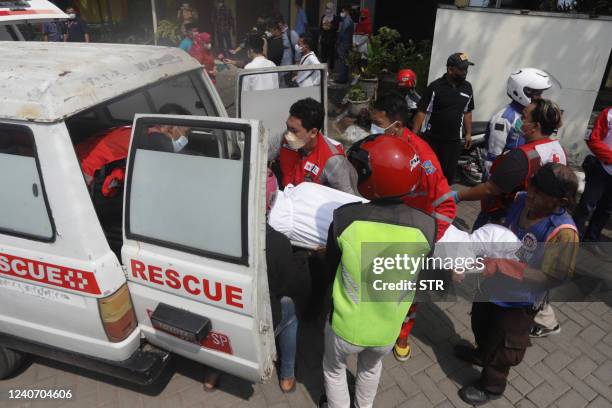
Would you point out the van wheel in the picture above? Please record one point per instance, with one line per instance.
(10, 361)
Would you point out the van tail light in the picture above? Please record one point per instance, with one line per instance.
(117, 313)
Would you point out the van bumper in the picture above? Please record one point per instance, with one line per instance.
(143, 367)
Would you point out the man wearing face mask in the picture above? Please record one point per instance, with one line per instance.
(345, 42)
(307, 78)
(307, 155)
(431, 194)
(447, 104)
(511, 172)
(258, 82)
(76, 29)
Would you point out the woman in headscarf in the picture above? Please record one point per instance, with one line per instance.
(363, 31)
(186, 14)
(329, 30)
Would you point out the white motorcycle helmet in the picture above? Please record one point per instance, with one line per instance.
(526, 82)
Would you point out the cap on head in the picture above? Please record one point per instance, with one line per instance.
(556, 180)
(459, 60)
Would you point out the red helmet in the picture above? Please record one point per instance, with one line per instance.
(387, 166)
(406, 78)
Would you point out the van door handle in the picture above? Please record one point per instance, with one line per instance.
(35, 189)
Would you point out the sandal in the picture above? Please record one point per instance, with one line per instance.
(211, 380)
(287, 385)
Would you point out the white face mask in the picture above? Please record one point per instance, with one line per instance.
(298, 48)
(72, 16)
(293, 141)
(343, 14)
(179, 144)
(375, 129)
(208, 46)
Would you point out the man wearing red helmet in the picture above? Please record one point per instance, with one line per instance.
(431, 194)
(365, 320)
(406, 83)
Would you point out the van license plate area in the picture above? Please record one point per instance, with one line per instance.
(180, 323)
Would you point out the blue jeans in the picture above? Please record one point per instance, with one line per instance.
(287, 338)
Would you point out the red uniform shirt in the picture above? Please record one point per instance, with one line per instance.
(325, 164)
(432, 195)
(600, 141)
(98, 151)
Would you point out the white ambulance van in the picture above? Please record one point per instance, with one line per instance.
(175, 261)
(15, 12)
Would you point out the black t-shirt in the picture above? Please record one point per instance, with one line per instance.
(446, 105)
(76, 30)
(511, 172)
(276, 50)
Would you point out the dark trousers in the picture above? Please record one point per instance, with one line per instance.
(502, 336)
(343, 68)
(448, 153)
(224, 41)
(596, 201)
(328, 54)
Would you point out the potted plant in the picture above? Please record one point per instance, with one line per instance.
(168, 33)
(358, 99)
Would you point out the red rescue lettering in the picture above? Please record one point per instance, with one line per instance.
(155, 274)
(41, 272)
(172, 279)
(212, 290)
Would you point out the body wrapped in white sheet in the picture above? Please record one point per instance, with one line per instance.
(304, 212)
(489, 241)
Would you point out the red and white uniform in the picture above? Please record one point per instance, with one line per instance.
(96, 152)
(600, 140)
(326, 164)
(432, 195)
(538, 154)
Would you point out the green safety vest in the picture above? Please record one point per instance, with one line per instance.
(361, 231)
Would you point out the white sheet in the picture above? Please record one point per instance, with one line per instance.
(304, 212)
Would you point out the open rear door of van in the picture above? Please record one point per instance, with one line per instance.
(29, 11)
(194, 240)
(271, 105)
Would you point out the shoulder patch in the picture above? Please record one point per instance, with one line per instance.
(429, 167)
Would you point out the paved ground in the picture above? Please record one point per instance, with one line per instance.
(572, 369)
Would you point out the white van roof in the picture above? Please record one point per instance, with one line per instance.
(46, 82)
(32, 11)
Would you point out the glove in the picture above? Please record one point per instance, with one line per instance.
(508, 267)
(113, 182)
(455, 195)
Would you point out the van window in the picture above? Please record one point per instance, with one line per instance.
(25, 210)
(7, 34)
(125, 108)
(192, 199)
(180, 90)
